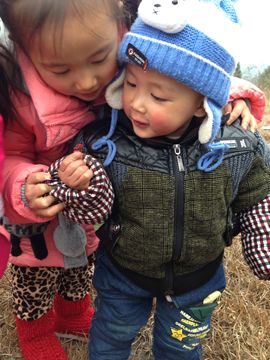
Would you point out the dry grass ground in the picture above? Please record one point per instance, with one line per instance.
(241, 325)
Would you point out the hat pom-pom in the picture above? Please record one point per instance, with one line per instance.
(168, 16)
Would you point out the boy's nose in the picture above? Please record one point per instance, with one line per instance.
(137, 104)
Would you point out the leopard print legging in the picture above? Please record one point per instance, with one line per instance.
(34, 288)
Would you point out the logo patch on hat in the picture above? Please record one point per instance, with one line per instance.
(137, 57)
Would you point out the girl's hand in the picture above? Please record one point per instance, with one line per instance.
(239, 108)
(74, 172)
(36, 195)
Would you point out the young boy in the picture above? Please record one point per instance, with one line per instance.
(177, 180)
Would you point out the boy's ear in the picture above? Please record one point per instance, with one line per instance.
(200, 112)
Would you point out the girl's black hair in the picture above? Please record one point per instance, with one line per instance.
(26, 18)
(9, 76)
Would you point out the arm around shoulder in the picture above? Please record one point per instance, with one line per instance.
(243, 89)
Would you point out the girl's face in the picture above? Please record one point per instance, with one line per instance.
(81, 61)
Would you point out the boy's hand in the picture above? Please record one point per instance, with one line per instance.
(239, 108)
(36, 195)
(74, 172)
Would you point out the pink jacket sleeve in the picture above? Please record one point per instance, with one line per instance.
(20, 161)
(243, 89)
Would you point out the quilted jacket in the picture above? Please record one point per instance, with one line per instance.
(171, 222)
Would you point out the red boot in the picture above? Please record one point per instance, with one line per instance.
(73, 318)
(37, 339)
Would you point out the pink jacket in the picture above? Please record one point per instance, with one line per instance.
(47, 121)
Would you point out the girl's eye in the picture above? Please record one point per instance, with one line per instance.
(157, 98)
(61, 72)
(129, 83)
(100, 61)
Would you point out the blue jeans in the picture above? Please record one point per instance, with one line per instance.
(122, 308)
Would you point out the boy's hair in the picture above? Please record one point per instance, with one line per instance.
(194, 42)
(26, 18)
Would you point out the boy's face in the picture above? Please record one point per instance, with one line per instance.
(158, 105)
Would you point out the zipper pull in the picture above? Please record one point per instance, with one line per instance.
(177, 151)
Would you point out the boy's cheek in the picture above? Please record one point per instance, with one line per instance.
(125, 102)
(160, 121)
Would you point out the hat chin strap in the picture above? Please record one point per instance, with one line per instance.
(106, 140)
(113, 94)
(207, 134)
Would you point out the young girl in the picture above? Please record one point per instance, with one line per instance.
(67, 55)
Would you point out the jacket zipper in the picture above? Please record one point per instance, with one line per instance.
(179, 172)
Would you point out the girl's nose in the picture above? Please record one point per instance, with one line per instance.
(86, 81)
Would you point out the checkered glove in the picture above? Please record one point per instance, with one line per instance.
(255, 236)
(90, 206)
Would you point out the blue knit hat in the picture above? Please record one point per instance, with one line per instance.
(193, 41)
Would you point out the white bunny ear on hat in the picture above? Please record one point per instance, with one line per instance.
(113, 94)
(168, 16)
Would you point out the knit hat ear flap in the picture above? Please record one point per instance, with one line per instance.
(211, 124)
(113, 94)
